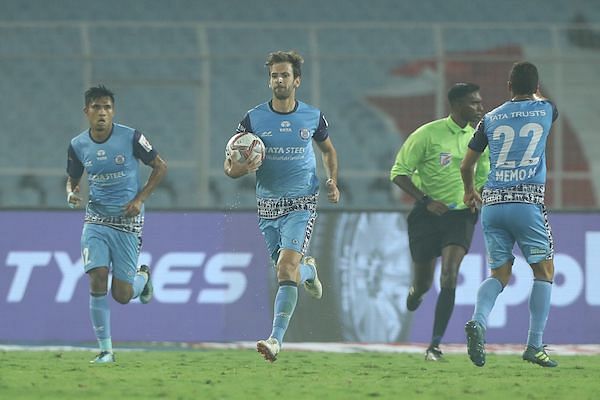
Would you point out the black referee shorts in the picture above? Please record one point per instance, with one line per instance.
(428, 233)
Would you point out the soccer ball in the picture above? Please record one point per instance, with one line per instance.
(245, 145)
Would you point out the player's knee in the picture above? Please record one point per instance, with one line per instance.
(286, 271)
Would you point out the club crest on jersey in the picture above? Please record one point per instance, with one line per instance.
(305, 133)
(101, 154)
(445, 159)
(120, 159)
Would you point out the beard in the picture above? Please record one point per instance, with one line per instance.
(282, 93)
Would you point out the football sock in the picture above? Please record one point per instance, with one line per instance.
(138, 284)
(443, 312)
(486, 298)
(539, 308)
(100, 316)
(285, 303)
(307, 273)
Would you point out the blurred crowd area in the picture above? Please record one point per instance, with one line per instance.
(185, 73)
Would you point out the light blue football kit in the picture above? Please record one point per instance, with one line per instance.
(513, 202)
(513, 197)
(287, 190)
(109, 238)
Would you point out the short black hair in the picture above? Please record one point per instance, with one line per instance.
(460, 90)
(95, 92)
(524, 78)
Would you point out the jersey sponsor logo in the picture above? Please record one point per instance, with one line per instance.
(107, 177)
(266, 134)
(88, 163)
(305, 133)
(101, 154)
(445, 159)
(286, 127)
(145, 143)
(120, 159)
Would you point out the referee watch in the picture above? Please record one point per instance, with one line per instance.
(425, 200)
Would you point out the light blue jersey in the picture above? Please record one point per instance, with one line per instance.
(513, 197)
(112, 168)
(289, 169)
(516, 133)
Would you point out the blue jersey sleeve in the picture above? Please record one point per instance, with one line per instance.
(142, 149)
(74, 165)
(245, 125)
(479, 141)
(321, 132)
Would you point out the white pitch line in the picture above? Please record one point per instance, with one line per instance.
(331, 347)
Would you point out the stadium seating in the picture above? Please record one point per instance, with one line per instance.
(188, 84)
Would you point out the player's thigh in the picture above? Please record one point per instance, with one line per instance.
(95, 246)
(269, 228)
(533, 233)
(499, 241)
(296, 230)
(125, 250)
(424, 234)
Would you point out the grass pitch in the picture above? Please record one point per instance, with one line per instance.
(242, 374)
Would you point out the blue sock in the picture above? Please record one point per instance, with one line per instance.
(539, 308)
(285, 303)
(100, 316)
(307, 273)
(486, 298)
(138, 284)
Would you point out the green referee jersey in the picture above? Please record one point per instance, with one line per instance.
(432, 154)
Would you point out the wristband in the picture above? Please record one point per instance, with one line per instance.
(330, 180)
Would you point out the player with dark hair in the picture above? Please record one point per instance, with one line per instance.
(287, 186)
(112, 232)
(513, 206)
(428, 168)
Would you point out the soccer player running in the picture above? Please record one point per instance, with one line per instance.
(287, 186)
(513, 206)
(114, 216)
(428, 168)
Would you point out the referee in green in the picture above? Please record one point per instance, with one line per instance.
(427, 167)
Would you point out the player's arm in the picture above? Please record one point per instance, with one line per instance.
(471, 198)
(74, 173)
(329, 156)
(144, 151)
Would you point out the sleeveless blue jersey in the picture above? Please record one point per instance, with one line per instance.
(289, 169)
(516, 133)
(112, 167)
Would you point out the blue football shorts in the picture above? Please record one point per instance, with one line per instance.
(526, 224)
(103, 246)
(291, 231)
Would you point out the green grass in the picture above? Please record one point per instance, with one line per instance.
(242, 374)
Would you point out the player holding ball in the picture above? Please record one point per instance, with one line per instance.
(287, 186)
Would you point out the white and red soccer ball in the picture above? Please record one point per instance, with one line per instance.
(245, 145)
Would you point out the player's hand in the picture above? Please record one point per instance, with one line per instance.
(73, 199)
(133, 208)
(437, 207)
(333, 193)
(240, 168)
(472, 200)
